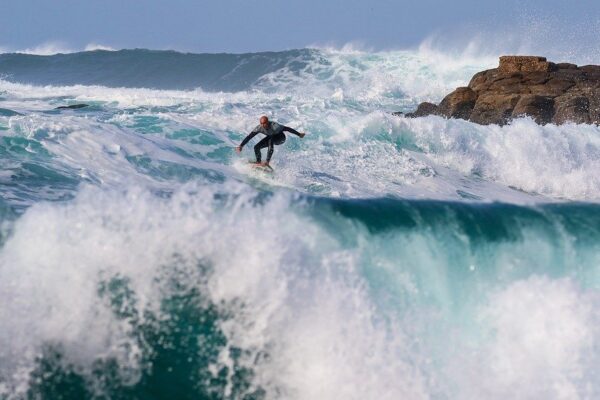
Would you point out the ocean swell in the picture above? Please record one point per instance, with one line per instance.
(384, 258)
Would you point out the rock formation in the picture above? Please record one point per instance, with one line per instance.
(524, 86)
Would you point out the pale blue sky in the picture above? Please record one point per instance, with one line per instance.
(256, 25)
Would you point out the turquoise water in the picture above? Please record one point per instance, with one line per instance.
(385, 258)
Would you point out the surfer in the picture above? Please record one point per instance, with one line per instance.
(274, 136)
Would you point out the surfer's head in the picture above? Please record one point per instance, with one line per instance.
(264, 121)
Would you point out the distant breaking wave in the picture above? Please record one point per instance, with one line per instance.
(151, 68)
(290, 70)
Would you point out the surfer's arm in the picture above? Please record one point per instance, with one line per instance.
(292, 130)
(247, 139)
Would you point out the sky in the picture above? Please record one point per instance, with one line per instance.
(268, 25)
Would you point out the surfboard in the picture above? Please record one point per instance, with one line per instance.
(260, 175)
(262, 168)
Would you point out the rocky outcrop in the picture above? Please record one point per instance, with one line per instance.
(524, 86)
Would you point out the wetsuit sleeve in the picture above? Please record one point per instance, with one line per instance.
(292, 130)
(247, 139)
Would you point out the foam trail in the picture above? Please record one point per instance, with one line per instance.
(364, 154)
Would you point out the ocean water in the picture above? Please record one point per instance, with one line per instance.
(385, 258)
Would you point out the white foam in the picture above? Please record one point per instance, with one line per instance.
(47, 49)
(405, 76)
(542, 338)
(301, 303)
(380, 318)
(53, 47)
(353, 148)
(98, 46)
(556, 161)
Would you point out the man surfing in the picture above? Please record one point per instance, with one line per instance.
(274, 136)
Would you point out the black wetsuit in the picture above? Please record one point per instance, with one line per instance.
(275, 136)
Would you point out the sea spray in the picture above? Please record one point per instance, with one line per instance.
(341, 298)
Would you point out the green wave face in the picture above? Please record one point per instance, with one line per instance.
(435, 289)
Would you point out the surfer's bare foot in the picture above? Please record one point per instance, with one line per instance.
(301, 134)
(238, 149)
(264, 164)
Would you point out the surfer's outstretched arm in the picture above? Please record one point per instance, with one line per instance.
(292, 130)
(246, 140)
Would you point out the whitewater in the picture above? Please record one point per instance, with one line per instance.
(385, 258)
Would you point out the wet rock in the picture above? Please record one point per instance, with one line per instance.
(458, 104)
(424, 109)
(524, 86)
(494, 108)
(574, 108)
(541, 108)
